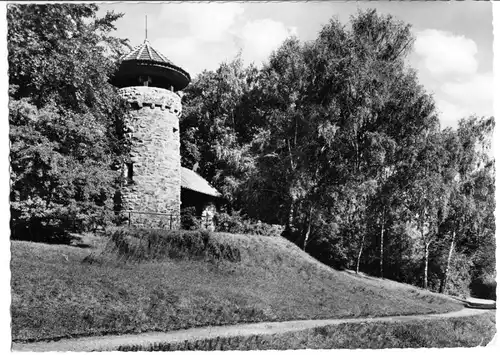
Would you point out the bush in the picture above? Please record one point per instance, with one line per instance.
(229, 223)
(139, 245)
(326, 246)
(189, 219)
(485, 287)
(54, 226)
(329, 251)
(237, 224)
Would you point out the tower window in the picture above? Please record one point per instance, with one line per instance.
(130, 173)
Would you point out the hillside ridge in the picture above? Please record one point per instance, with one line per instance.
(64, 291)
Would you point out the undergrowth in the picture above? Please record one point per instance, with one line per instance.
(143, 245)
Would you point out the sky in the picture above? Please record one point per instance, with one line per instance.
(453, 50)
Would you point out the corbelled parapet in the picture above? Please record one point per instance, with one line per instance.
(152, 97)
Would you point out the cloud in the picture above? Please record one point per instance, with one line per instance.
(445, 53)
(478, 91)
(464, 98)
(199, 35)
(178, 50)
(202, 35)
(209, 22)
(176, 47)
(194, 55)
(467, 97)
(450, 113)
(261, 37)
(451, 62)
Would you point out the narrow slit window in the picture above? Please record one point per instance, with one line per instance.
(130, 172)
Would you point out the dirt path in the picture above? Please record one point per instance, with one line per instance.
(112, 342)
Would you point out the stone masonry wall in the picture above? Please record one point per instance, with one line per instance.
(155, 183)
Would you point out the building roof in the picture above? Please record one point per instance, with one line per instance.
(145, 60)
(146, 52)
(194, 182)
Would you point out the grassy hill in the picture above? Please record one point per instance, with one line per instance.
(190, 280)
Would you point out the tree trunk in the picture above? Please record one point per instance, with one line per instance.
(382, 229)
(426, 263)
(382, 251)
(291, 211)
(359, 254)
(448, 262)
(426, 242)
(308, 231)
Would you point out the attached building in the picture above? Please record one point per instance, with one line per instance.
(198, 193)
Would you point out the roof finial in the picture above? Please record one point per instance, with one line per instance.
(146, 39)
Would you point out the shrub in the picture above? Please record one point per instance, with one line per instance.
(326, 246)
(189, 219)
(54, 226)
(229, 223)
(40, 232)
(235, 223)
(485, 287)
(329, 251)
(139, 245)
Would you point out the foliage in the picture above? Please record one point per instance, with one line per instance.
(328, 246)
(235, 223)
(460, 277)
(485, 287)
(336, 140)
(141, 245)
(62, 54)
(190, 219)
(213, 128)
(62, 114)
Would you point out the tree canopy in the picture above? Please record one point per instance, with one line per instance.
(63, 115)
(337, 140)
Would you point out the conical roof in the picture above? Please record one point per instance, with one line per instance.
(144, 60)
(146, 52)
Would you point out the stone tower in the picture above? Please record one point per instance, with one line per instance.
(148, 81)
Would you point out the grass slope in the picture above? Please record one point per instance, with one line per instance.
(55, 294)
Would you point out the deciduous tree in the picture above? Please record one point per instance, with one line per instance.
(63, 115)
